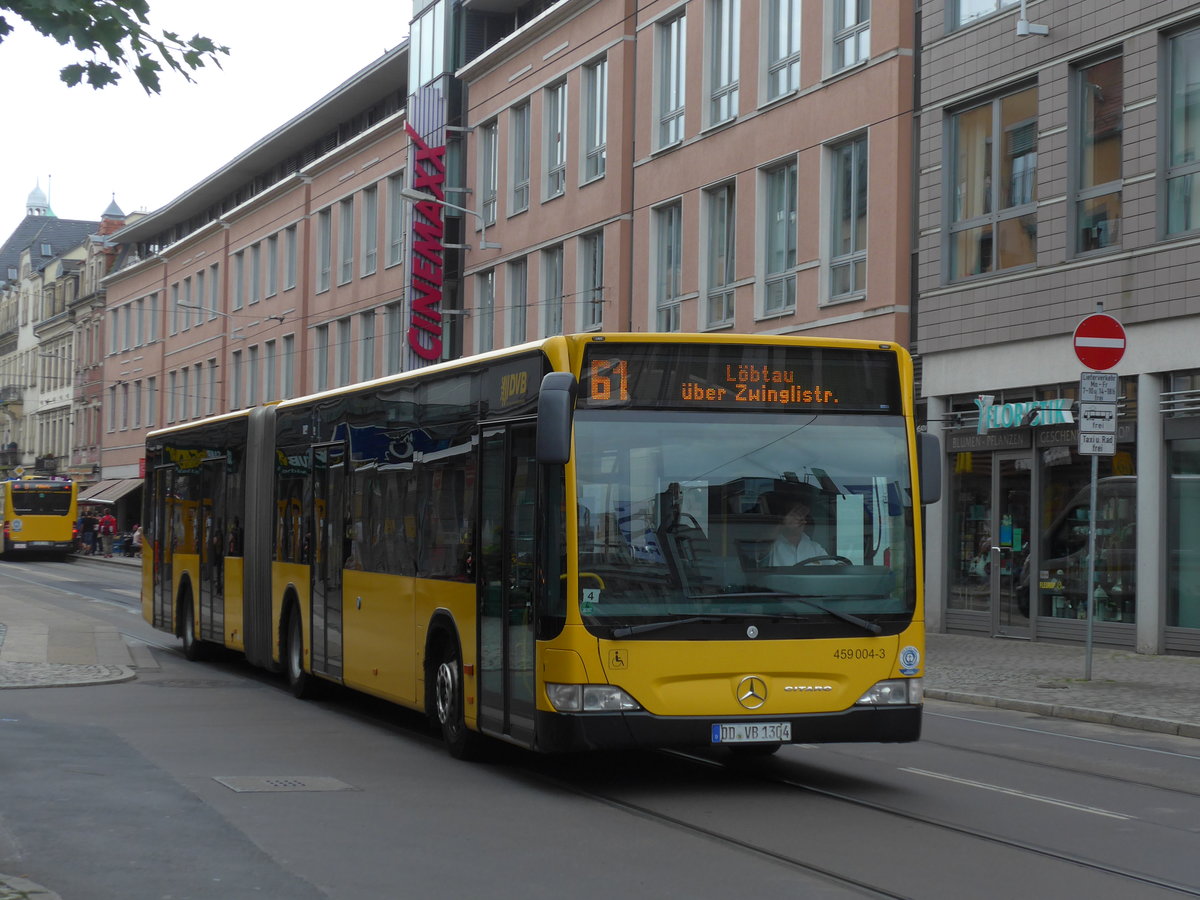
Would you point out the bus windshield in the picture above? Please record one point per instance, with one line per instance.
(687, 517)
(41, 500)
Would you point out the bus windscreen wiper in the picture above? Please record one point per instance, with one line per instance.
(627, 630)
(862, 623)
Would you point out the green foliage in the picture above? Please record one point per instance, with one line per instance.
(117, 31)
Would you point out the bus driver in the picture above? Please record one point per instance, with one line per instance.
(792, 544)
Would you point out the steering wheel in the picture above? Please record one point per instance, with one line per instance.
(841, 560)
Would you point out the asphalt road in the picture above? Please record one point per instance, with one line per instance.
(208, 780)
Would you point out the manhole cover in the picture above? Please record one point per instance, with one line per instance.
(275, 783)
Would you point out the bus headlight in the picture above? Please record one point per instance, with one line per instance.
(589, 698)
(894, 692)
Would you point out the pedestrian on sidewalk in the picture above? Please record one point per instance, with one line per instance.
(135, 542)
(87, 532)
(108, 530)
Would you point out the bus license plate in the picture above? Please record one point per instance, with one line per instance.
(752, 733)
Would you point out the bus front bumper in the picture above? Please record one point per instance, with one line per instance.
(558, 732)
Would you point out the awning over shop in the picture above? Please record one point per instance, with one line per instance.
(110, 491)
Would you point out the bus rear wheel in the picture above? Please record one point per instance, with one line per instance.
(448, 704)
(299, 681)
(193, 647)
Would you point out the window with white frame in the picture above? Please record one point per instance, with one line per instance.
(237, 390)
(519, 138)
(668, 264)
(724, 37)
(198, 392)
(175, 314)
(591, 280)
(151, 401)
(324, 248)
(552, 291)
(993, 185)
(779, 228)
(270, 379)
(239, 279)
(963, 12)
(848, 220)
(1099, 103)
(201, 298)
(489, 172)
(345, 240)
(366, 345)
(287, 363)
(289, 257)
(393, 346)
(783, 47)
(672, 87)
(344, 348)
(556, 139)
(321, 357)
(214, 290)
(255, 284)
(1183, 133)
(851, 33)
(185, 303)
(370, 230)
(252, 375)
(272, 265)
(518, 283)
(210, 399)
(395, 219)
(595, 119)
(485, 309)
(720, 222)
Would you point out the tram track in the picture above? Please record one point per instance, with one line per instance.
(762, 776)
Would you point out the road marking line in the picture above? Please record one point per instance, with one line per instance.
(1024, 795)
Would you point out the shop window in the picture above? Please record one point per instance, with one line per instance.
(1063, 560)
(1183, 534)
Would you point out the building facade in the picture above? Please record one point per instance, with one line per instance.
(43, 266)
(503, 176)
(1058, 176)
(704, 165)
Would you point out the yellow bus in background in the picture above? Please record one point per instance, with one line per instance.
(40, 514)
(571, 544)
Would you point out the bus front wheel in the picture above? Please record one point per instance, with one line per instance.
(448, 698)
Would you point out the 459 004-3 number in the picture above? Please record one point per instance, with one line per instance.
(860, 653)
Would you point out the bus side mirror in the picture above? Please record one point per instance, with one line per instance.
(929, 466)
(556, 406)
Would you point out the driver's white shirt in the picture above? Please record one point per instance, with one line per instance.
(785, 553)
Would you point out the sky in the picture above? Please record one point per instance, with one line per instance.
(86, 146)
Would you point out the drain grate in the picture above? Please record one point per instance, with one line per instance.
(248, 784)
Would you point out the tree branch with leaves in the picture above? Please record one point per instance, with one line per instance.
(118, 35)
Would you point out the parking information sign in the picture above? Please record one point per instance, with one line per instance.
(1098, 413)
(1099, 387)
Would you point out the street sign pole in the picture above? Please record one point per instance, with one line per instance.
(1099, 343)
(1091, 581)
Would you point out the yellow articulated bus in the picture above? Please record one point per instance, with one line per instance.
(40, 515)
(593, 541)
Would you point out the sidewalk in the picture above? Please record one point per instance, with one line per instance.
(1132, 690)
(45, 647)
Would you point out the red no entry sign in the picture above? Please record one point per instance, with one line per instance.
(1099, 341)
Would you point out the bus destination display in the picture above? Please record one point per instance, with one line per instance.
(740, 377)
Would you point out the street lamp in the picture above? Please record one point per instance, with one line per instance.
(415, 196)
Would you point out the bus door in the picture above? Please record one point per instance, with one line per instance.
(507, 522)
(211, 547)
(329, 553)
(162, 539)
